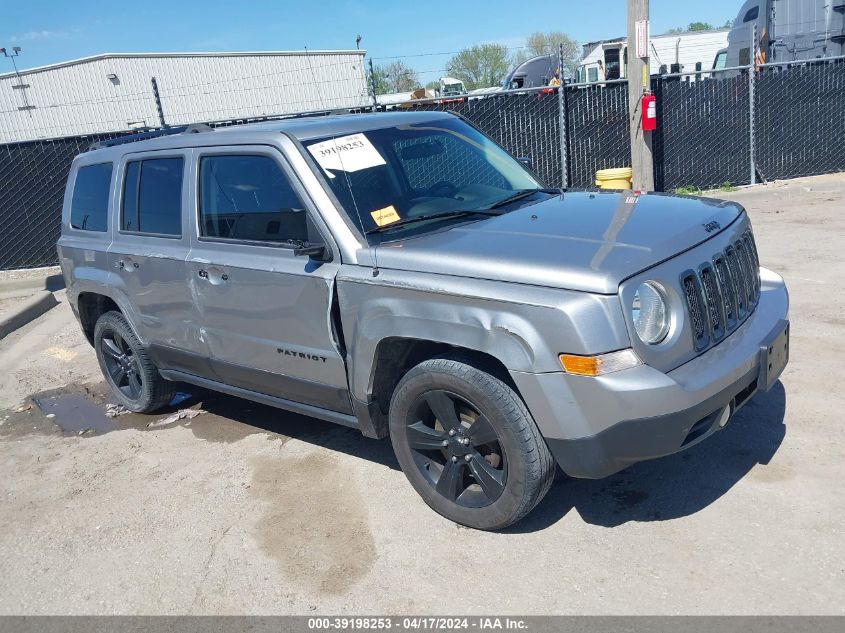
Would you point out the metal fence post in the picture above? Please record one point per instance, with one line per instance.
(564, 136)
(751, 79)
(157, 98)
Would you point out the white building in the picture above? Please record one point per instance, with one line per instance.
(695, 50)
(114, 92)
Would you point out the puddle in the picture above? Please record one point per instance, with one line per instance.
(89, 410)
(76, 414)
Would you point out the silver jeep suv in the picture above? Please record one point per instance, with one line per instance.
(401, 274)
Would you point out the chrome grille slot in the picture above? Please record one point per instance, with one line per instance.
(738, 283)
(726, 286)
(745, 266)
(692, 292)
(713, 301)
(755, 263)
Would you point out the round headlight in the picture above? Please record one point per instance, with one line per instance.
(650, 313)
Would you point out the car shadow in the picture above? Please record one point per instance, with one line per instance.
(675, 486)
(292, 425)
(658, 490)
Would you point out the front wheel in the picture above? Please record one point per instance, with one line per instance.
(131, 374)
(468, 445)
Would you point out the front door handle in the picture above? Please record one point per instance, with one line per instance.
(203, 274)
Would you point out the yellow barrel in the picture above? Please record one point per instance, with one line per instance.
(614, 178)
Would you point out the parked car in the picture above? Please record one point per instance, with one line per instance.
(402, 275)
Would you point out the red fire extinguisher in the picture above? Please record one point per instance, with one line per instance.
(649, 112)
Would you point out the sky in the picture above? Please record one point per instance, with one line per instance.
(424, 33)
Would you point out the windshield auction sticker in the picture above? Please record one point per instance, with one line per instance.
(346, 153)
(383, 217)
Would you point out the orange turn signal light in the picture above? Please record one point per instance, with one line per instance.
(598, 365)
(580, 365)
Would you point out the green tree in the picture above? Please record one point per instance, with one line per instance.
(480, 66)
(378, 80)
(695, 26)
(394, 77)
(700, 26)
(432, 85)
(547, 44)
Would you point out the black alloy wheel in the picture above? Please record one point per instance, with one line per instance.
(456, 449)
(467, 443)
(123, 369)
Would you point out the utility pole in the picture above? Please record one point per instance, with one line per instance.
(373, 85)
(157, 98)
(639, 82)
(16, 50)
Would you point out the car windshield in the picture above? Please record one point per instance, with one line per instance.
(442, 167)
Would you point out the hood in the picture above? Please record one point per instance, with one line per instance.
(577, 241)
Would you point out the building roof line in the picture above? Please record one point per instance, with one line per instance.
(103, 56)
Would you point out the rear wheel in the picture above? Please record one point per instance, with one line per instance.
(468, 445)
(132, 376)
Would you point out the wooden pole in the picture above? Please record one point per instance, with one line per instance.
(639, 82)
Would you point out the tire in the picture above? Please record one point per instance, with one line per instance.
(121, 356)
(494, 469)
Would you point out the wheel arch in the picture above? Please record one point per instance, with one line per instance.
(91, 303)
(394, 356)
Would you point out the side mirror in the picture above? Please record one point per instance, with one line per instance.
(307, 249)
(526, 161)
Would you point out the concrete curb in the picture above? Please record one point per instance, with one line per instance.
(48, 282)
(30, 309)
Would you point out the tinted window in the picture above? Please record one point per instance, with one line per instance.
(744, 56)
(417, 170)
(751, 14)
(152, 196)
(90, 203)
(249, 198)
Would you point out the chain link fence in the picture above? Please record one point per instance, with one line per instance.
(800, 119)
(32, 187)
(702, 136)
(731, 126)
(708, 135)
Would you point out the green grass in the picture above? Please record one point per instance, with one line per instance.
(692, 190)
(688, 191)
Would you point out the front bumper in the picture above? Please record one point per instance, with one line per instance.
(598, 426)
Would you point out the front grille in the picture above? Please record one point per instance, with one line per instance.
(723, 292)
(713, 300)
(696, 313)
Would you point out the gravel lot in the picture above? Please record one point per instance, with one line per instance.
(246, 509)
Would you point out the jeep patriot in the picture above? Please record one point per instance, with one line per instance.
(401, 274)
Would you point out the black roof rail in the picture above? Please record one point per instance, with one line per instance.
(143, 136)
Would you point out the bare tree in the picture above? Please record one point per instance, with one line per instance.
(480, 66)
(547, 44)
(395, 77)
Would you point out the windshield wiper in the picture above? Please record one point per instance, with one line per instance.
(517, 195)
(432, 216)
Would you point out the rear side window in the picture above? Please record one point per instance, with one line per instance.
(90, 203)
(249, 197)
(152, 196)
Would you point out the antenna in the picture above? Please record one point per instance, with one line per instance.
(373, 249)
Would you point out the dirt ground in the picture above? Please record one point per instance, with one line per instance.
(246, 509)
